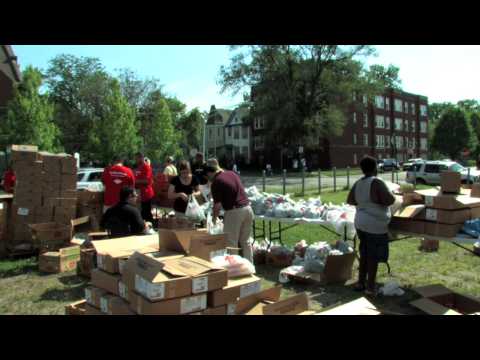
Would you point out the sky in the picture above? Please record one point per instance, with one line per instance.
(190, 72)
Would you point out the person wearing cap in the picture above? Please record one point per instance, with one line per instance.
(114, 178)
(124, 219)
(228, 193)
(144, 182)
(170, 169)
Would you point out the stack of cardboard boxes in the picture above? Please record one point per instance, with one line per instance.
(5, 204)
(90, 203)
(45, 191)
(437, 213)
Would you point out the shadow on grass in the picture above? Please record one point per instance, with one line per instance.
(67, 294)
(21, 270)
(72, 280)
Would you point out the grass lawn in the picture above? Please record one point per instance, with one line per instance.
(23, 290)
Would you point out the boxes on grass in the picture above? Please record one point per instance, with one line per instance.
(65, 259)
(50, 235)
(450, 181)
(193, 242)
(177, 306)
(235, 289)
(437, 200)
(76, 308)
(113, 305)
(267, 302)
(439, 300)
(105, 281)
(93, 295)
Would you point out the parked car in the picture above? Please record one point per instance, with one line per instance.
(407, 164)
(388, 165)
(90, 179)
(428, 172)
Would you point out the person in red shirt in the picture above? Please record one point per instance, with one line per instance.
(9, 180)
(115, 178)
(144, 182)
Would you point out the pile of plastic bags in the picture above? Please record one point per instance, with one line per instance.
(212, 228)
(236, 265)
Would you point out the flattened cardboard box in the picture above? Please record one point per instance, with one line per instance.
(150, 278)
(437, 200)
(76, 308)
(105, 281)
(439, 300)
(356, 307)
(205, 276)
(235, 289)
(93, 295)
(193, 242)
(113, 305)
(177, 306)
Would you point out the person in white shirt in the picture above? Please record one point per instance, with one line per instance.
(170, 169)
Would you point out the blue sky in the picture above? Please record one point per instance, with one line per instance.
(440, 72)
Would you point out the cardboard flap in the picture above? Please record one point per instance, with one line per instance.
(175, 240)
(430, 307)
(291, 306)
(249, 302)
(80, 221)
(432, 290)
(189, 266)
(409, 211)
(125, 243)
(356, 307)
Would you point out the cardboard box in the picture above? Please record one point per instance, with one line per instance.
(177, 306)
(27, 200)
(193, 243)
(90, 310)
(109, 260)
(68, 182)
(50, 233)
(152, 279)
(338, 270)
(68, 165)
(356, 307)
(267, 302)
(282, 260)
(235, 289)
(439, 300)
(90, 197)
(76, 308)
(205, 276)
(64, 215)
(25, 153)
(51, 162)
(113, 305)
(105, 281)
(450, 181)
(438, 200)
(443, 230)
(475, 190)
(93, 296)
(174, 223)
(64, 260)
(220, 310)
(407, 225)
(448, 216)
(88, 262)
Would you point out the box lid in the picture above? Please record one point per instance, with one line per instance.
(152, 269)
(432, 307)
(292, 306)
(409, 211)
(125, 243)
(189, 266)
(241, 281)
(356, 307)
(252, 304)
(464, 197)
(432, 290)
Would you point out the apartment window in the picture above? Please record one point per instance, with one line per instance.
(380, 121)
(244, 132)
(398, 124)
(405, 107)
(406, 125)
(399, 142)
(398, 105)
(354, 139)
(236, 132)
(365, 100)
(387, 103)
(365, 120)
(423, 144)
(380, 141)
(229, 132)
(412, 127)
(355, 159)
(354, 117)
(365, 139)
(259, 123)
(380, 102)
(259, 142)
(423, 127)
(413, 109)
(387, 142)
(423, 110)
(387, 122)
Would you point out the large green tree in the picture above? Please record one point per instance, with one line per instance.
(191, 129)
(453, 134)
(303, 91)
(30, 116)
(115, 131)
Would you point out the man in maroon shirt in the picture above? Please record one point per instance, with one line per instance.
(228, 192)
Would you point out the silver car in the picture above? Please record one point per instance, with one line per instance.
(428, 172)
(90, 179)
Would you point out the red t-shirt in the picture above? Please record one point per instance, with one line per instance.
(115, 178)
(144, 172)
(9, 181)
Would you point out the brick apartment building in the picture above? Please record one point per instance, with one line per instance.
(393, 126)
(9, 75)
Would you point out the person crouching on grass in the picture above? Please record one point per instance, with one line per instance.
(372, 199)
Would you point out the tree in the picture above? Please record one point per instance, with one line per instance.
(453, 134)
(29, 118)
(135, 89)
(177, 110)
(115, 132)
(191, 129)
(159, 137)
(303, 92)
(78, 86)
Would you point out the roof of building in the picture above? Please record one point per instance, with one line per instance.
(222, 116)
(12, 61)
(240, 113)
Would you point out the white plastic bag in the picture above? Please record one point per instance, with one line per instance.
(194, 211)
(391, 288)
(237, 266)
(283, 276)
(212, 228)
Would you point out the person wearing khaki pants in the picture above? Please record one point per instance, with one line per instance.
(238, 227)
(228, 193)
